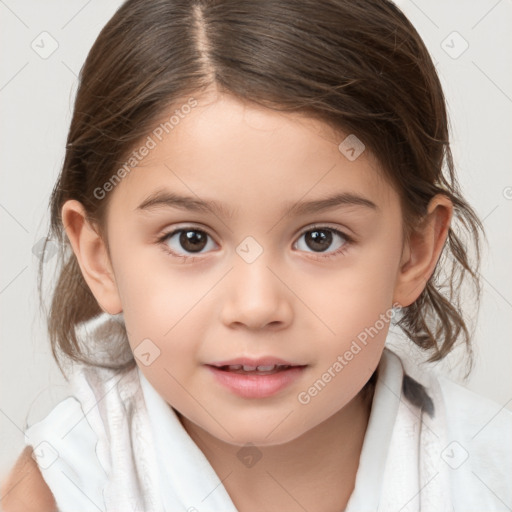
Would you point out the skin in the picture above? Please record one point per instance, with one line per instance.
(292, 302)
(24, 489)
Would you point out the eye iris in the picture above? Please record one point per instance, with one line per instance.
(192, 240)
(320, 239)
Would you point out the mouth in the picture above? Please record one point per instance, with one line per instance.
(256, 378)
(255, 366)
(245, 369)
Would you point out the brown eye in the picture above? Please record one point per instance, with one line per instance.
(318, 240)
(185, 241)
(321, 239)
(193, 240)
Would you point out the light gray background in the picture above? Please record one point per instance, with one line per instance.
(36, 99)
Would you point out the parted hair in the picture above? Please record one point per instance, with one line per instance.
(357, 65)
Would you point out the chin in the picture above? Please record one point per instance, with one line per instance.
(274, 431)
(260, 438)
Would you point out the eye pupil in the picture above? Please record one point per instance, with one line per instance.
(195, 240)
(192, 240)
(321, 239)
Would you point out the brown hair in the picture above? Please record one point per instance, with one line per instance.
(359, 66)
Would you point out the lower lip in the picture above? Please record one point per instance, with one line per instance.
(257, 386)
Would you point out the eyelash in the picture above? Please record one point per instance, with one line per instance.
(338, 252)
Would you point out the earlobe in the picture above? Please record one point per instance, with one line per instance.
(92, 256)
(422, 250)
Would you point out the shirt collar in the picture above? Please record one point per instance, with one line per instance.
(188, 480)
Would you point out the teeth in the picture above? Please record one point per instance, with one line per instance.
(262, 368)
(259, 368)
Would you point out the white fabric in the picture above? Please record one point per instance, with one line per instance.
(116, 445)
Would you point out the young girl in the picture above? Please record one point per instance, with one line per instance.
(253, 192)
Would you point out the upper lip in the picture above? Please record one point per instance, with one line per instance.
(248, 361)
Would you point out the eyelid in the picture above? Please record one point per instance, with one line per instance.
(169, 233)
(317, 225)
(323, 256)
(325, 225)
(166, 234)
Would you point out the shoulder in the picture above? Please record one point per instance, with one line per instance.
(483, 426)
(462, 412)
(477, 444)
(73, 445)
(25, 490)
(474, 414)
(70, 450)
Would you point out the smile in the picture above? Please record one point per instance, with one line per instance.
(261, 381)
(258, 370)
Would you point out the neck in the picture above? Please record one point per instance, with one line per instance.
(316, 471)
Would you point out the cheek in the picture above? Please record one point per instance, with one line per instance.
(355, 304)
(353, 297)
(158, 302)
(154, 291)
(160, 311)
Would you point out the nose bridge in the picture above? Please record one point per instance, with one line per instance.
(255, 296)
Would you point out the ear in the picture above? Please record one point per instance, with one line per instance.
(92, 256)
(422, 250)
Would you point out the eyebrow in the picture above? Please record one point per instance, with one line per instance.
(167, 199)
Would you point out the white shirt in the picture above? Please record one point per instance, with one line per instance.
(116, 445)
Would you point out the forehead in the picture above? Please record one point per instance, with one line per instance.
(244, 155)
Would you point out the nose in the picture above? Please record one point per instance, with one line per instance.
(256, 297)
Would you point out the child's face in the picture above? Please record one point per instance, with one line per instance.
(259, 287)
